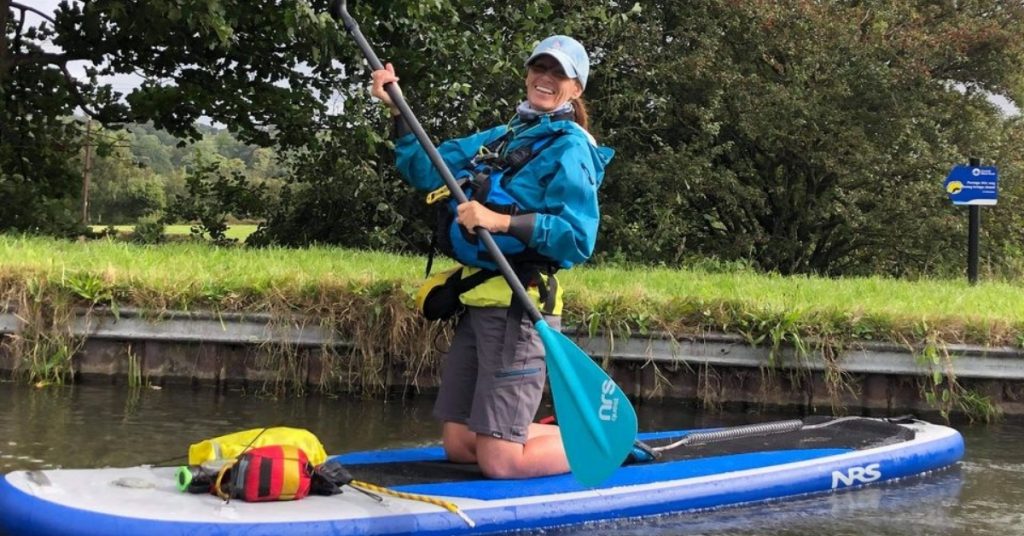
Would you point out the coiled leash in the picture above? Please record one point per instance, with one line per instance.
(447, 505)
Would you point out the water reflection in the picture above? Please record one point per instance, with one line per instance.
(98, 426)
(921, 506)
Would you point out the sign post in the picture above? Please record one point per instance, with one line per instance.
(973, 185)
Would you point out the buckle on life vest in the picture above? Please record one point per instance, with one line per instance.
(443, 192)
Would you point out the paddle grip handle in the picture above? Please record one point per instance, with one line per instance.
(338, 10)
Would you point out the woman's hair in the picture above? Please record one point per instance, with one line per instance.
(579, 107)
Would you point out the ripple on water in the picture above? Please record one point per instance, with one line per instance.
(988, 466)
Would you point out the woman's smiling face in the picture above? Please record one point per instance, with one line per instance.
(547, 85)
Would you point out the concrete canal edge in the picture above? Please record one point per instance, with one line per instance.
(229, 350)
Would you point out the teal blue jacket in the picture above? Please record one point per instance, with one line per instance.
(559, 185)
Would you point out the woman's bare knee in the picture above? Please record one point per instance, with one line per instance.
(499, 467)
(458, 454)
(500, 459)
(540, 456)
(459, 443)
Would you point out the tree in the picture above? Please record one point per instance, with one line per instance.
(36, 182)
(217, 189)
(263, 68)
(122, 191)
(806, 136)
(259, 67)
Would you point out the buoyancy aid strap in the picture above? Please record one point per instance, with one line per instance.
(543, 276)
(517, 159)
(513, 319)
(547, 286)
(481, 188)
(474, 280)
(551, 289)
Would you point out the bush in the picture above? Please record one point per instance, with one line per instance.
(215, 194)
(149, 230)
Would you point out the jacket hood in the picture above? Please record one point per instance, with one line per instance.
(545, 127)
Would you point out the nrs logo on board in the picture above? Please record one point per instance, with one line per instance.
(609, 410)
(856, 475)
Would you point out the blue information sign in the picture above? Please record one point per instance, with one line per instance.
(973, 185)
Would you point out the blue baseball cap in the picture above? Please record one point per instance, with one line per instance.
(569, 53)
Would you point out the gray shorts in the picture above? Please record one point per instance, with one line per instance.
(492, 377)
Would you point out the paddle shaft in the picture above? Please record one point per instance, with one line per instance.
(435, 157)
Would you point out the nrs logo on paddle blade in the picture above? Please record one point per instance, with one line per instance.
(856, 475)
(609, 410)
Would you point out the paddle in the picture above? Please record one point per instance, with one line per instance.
(596, 421)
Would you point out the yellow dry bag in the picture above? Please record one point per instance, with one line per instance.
(229, 446)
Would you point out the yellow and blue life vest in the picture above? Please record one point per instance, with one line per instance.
(557, 182)
(485, 180)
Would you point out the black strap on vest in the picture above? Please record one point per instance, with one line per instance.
(530, 275)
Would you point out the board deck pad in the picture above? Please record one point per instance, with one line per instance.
(856, 434)
(435, 476)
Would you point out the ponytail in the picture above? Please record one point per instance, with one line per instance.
(582, 117)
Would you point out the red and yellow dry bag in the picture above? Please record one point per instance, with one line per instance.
(269, 473)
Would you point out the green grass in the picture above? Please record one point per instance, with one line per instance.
(191, 275)
(921, 299)
(238, 232)
(169, 265)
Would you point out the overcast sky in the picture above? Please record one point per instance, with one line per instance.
(122, 83)
(126, 82)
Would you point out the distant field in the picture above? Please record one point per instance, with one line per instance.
(238, 232)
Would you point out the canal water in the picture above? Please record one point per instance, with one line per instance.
(98, 426)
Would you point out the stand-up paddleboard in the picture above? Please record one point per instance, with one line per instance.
(821, 456)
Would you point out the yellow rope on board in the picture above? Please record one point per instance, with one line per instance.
(447, 505)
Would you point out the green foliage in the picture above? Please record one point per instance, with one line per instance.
(334, 199)
(38, 186)
(137, 170)
(90, 287)
(797, 136)
(120, 191)
(149, 230)
(233, 61)
(802, 135)
(216, 191)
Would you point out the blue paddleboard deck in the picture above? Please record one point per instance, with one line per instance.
(425, 470)
(847, 453)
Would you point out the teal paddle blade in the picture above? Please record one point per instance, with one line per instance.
(596, 420)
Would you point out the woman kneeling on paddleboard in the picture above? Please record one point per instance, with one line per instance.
(533, 184)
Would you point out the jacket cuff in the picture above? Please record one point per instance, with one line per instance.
(401, 127)
(521, 227)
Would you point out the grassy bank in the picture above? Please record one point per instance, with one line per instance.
(189, 275)
(367, 295)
